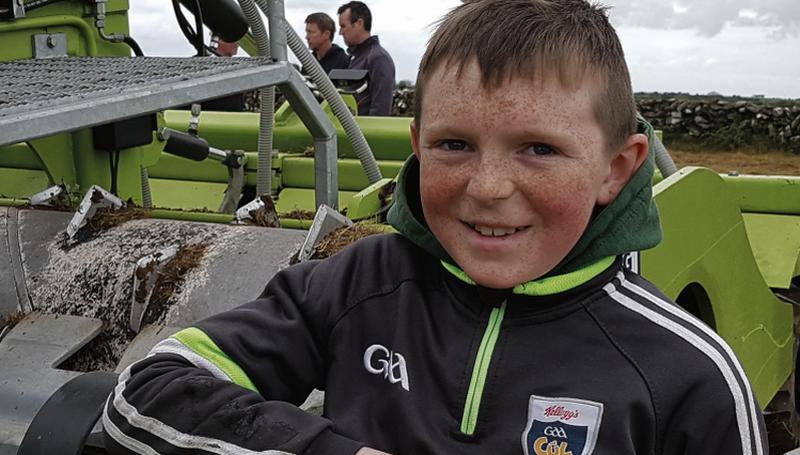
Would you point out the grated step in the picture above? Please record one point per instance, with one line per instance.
(48, 96)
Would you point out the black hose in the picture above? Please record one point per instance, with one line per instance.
(33, 4)
(199, 43)
(137, 50)
(183, 23)
(113, 160)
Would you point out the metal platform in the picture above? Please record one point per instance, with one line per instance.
(43, 97)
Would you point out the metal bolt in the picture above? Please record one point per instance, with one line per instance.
(51, 41)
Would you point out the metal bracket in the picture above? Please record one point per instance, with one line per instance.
(29, 355)
(12, 9)
(56, 196)
(325, 221)
(50, 45)
(236, 179)
(260, 211)
(96, 198)
(145, 275)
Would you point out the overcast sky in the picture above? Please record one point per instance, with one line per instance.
(734, 47)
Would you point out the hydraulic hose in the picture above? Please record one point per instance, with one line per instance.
(137, 50)
(663, 159)
(340, 110)
(267, 101)
(100, 24)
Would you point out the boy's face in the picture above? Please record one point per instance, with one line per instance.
(509, 179)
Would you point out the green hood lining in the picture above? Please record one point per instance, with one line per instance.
(629, 223)
(549, 285)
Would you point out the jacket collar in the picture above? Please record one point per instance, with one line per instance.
(364, 45)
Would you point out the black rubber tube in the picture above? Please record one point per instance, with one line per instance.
(137, 50)
(223, 17)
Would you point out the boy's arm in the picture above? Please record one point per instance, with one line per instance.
(710, 419)
(232, 383)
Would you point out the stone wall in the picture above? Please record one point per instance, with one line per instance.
(725, 123)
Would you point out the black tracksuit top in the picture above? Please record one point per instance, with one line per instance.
(401, 347)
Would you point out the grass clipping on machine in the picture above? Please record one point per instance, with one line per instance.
(171, 278)
(299, 215)
(340, 238)
(106, 218)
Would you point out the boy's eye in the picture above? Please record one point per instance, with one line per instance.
(541, 149)
(453, 145)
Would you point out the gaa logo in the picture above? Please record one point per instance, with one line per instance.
(391, 365)
(549, 438)
(561, 426)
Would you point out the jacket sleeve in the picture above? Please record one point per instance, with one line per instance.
(381, 85)
(716, 416)
(232, 383)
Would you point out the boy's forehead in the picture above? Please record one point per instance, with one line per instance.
(570, 73)
(465, 84)
(459, 102)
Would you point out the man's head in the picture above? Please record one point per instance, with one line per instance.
(524, 125)
(320, 29)
(227, 49)
(355, 22)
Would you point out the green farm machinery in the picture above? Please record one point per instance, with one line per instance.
(127, 213)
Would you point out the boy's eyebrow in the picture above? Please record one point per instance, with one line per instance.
(524, 134)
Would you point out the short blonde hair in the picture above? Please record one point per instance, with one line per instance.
(569, 39)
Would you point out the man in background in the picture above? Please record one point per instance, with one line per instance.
(320, 29)
(355, 24)
(230, 103)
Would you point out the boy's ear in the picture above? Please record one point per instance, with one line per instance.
(622, 167)
(414, 138)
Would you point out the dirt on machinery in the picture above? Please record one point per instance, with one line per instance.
(93, 279)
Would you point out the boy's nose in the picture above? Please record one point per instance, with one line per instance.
(491, 181)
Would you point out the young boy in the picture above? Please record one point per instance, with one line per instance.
(500, 319)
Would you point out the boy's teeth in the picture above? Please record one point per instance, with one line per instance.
(494, 232)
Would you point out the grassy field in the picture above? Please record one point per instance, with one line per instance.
(762, 163)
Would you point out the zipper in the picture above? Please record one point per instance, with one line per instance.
(480, 370)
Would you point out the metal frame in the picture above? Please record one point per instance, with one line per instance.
(306, 107)
(277, 31)
(18, 124)
(72, 113)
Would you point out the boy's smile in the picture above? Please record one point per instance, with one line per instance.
(509, 178)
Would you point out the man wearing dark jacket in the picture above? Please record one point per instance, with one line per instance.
(355, 23)
(320, 29)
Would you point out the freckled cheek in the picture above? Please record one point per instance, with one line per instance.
(565, 201)
(440, 187)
